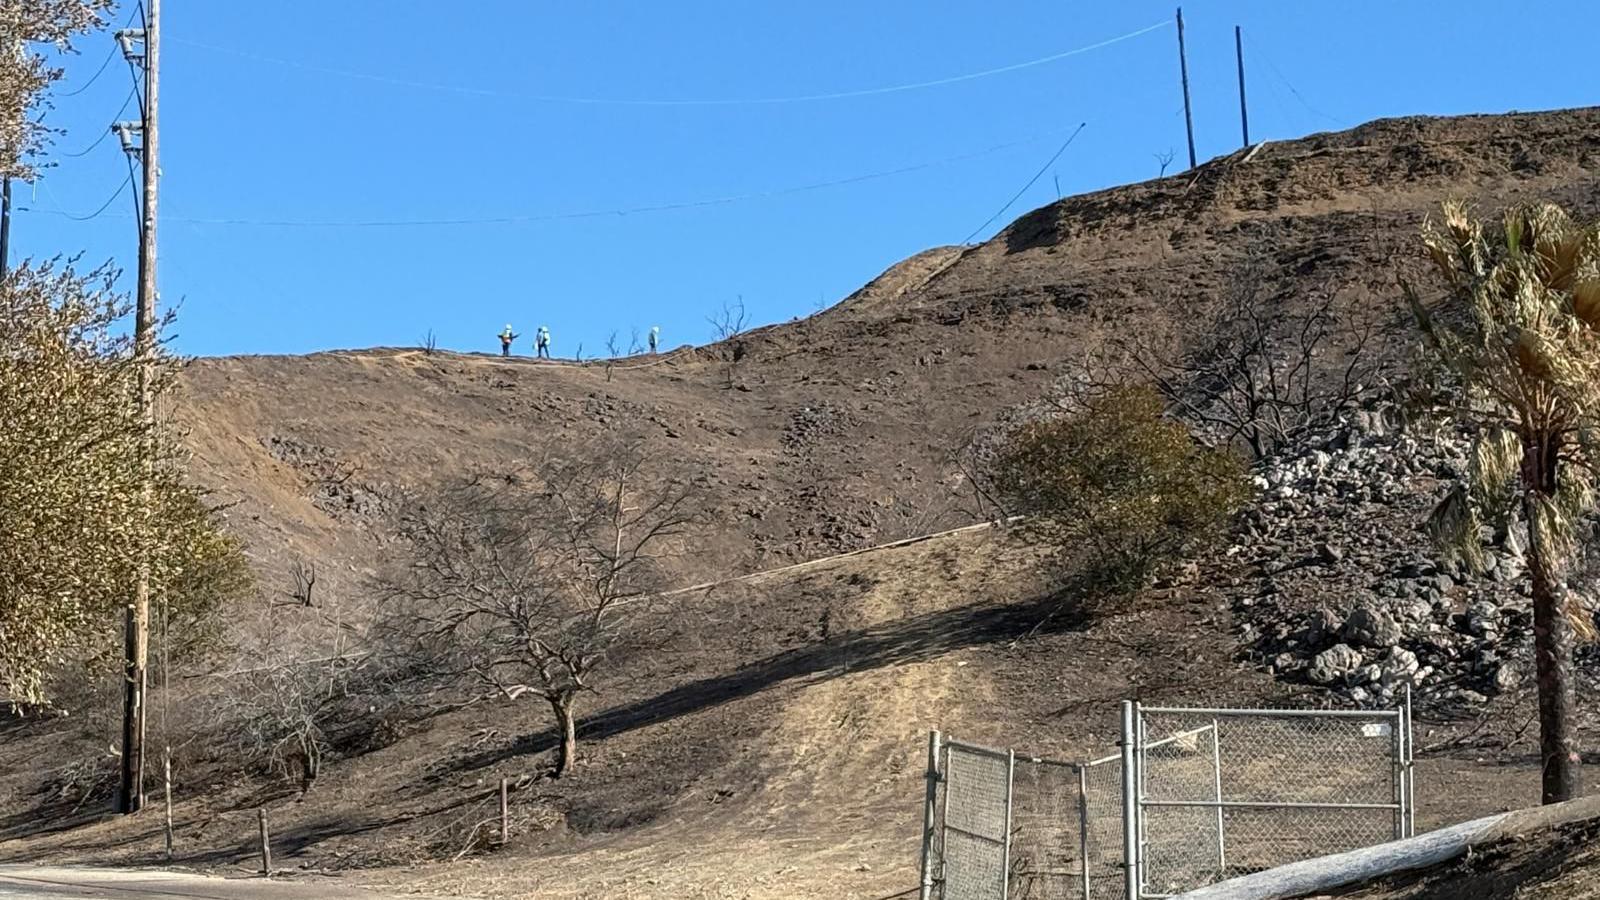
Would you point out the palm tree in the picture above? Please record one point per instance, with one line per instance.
(1518, 332)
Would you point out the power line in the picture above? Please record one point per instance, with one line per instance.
(106, 62)
(94, 215)
(1037, 175)
(1286, 83)
(715, 101)
(93, 78)
(594, 214)
(89, 149)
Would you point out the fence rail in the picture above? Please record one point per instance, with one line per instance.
(1194, 796)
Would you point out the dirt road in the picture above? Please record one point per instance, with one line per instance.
(37, 883)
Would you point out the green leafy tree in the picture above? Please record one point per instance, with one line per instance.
(1120, 490)
(73, 522)
(1518, 330)
(25, 75)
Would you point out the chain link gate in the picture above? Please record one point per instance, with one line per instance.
(998, 826)
(1215, 793)
(1224, 792)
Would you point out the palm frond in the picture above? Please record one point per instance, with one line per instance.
(1454, 527)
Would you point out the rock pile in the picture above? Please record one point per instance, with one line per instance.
(1334, 580)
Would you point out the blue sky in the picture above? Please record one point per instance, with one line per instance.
(296, 133)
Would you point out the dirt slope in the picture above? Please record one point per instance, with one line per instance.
(837, 432)
(780, 755)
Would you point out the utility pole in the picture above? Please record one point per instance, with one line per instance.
(20, 52)
(1183, 65)
(1244, 111)
(136, 639)
(5, 228)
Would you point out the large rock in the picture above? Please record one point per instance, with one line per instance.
(1370, 626)
(1399, 667)
(1337, 663)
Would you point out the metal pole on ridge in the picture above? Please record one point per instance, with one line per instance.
(1244, 112)
(1183, 65)
(929, 815)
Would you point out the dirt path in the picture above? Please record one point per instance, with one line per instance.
(123, 884)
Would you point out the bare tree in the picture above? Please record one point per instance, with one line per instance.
(429, 344)
(305, 579)
(634, 347)
(1254, 369)
(729, 325)
(535, 583)
(294, 685)
(613, 350)
(1165, 159)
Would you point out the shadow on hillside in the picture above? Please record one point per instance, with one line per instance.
(906, 641)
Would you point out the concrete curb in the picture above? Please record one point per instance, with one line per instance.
(1327, 873)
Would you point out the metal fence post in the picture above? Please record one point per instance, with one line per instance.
(1397, 746)
(1083, 828)
(1130, 804)
(1216, 765)
(1411, 769)
(1005, 871)
(930, 814)
(1141, 754)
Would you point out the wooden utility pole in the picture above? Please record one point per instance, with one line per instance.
(136, 638)
(1244, 111)
(266, 842)
(1183, 66)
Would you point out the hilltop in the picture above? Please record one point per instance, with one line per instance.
(780, 754)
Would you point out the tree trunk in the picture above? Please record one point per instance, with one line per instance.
(1552, 638)
(567, 725)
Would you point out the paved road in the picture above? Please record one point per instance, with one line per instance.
(37, 883)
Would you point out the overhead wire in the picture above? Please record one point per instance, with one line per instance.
(647, 101)
(93, 78)
(135, 12)
(97, 141)
(592, 214)
(77, 218)
(1031, 182)
(1266, 57)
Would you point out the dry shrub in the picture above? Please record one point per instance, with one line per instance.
(1117, 490)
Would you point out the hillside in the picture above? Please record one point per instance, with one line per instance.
(838, 432)
(779, 754)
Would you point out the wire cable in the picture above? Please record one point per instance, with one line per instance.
(94, 215)
(97, 141)
(1031, 181)
(592, 214)
(1286, 83)
(93, 78)
(715, 101)
(112, 53)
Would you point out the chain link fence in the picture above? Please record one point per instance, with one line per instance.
(1214, 793)
(975, 833)
(1226, 792)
